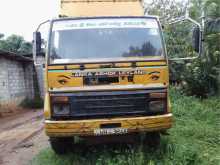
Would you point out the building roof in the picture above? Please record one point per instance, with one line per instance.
(14, 56)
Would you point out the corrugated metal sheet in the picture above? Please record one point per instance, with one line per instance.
(14, 56)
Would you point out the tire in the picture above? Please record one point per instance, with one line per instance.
(61, 145)
(152, 139)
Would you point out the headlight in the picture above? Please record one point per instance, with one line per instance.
(157, 106)
(61, 109)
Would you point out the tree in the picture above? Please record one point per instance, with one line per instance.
(25, 48)
(16, 44)
(1, 35)
(165, 9)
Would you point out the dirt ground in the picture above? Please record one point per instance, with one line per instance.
(21, 137)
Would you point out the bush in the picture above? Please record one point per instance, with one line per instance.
(201, 77)
(176, 69)
(32, 103)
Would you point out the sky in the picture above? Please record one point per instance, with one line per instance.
(22, 17)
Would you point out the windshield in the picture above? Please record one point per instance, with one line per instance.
(105, 38)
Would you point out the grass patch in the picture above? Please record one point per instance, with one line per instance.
(194, 140)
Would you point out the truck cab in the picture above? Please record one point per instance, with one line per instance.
(106, 72)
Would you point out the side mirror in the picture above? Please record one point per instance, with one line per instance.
(196, 39)
(37, 42)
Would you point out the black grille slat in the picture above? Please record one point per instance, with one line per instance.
(108, 114)
(109, 104)
(103, 99)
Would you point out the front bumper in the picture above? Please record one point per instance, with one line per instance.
(87, 127)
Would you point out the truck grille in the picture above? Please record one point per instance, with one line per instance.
(108, 104)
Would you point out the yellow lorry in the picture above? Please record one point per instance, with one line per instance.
(106, 72)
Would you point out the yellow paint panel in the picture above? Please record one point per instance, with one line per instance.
(123, 64)
(56, 67)
(86, 127)
(102, 8)
(54, 79)
(153, 75)
(96, 66)
(148, 78)
(153, 63)
(47, 109)
(73, 66)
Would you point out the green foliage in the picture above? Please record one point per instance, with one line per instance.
(199, 77)
(194, 139)
(25, 48)
(1, 35)
(32, 103)
(16, 44)
(166, 10)
(179, 40)
(212, 8)
(176, 69)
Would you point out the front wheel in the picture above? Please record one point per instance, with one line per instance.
(61, 145)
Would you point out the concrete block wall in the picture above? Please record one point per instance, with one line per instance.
(29, 80)
(40, 71)
(4, 92)
(16, 81)
(40, 78)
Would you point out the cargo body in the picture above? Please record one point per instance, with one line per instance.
(95, 8)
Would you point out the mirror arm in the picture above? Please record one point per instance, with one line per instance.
(181, 19)
(186, 58)
(41, 25)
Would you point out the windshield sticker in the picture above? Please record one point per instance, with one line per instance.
(109, 73)
(105, 23)
(153, 32)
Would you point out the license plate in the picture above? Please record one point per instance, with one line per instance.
(110, 131)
